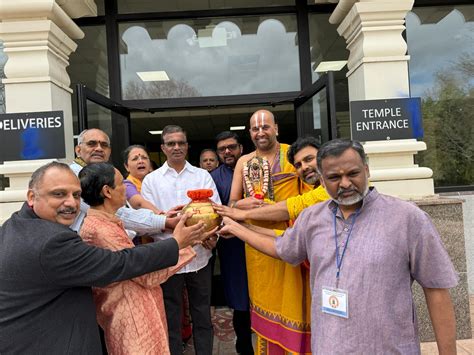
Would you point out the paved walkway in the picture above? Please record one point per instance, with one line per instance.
(224, 336)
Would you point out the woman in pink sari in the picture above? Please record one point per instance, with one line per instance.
(130, 312)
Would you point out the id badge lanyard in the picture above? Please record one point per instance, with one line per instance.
(340, 258)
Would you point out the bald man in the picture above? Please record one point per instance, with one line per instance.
(279, 292)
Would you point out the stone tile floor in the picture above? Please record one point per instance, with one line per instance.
(224, 336)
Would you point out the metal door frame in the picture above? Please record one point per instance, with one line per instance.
(305, 121)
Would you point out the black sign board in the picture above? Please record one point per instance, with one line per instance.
(32, 135)
(374, 120)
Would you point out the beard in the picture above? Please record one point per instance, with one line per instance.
(313, 179)
(351, 200)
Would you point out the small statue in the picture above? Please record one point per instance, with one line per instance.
(257, 179)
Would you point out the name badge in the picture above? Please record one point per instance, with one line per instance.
(335, 301)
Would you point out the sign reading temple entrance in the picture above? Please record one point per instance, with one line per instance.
(373, 120)
(32, 135)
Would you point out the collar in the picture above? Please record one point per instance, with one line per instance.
(371, 196)
(166, 168)
(104, 215)
(80, 161)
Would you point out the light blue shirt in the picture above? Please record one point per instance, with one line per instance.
(140, 221)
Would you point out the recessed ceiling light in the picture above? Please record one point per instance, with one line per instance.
(237, 128)
(336, 65)
(153, 75)
(155, 132)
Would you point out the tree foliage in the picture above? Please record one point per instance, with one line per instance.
(448, 117)
(159, 90)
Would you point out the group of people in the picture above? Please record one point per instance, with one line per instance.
(302, 234)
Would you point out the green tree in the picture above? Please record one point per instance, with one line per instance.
(448, 117)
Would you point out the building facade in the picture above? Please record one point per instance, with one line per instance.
(131, 67)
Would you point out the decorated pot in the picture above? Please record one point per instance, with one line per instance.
(202, 208)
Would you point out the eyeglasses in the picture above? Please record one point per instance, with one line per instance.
(93, 144)
(225, 147)
(171, 144)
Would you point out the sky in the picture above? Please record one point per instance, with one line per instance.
(434, 47)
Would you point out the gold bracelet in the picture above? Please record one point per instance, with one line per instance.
(232, 204)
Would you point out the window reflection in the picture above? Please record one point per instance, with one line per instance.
(442, 74)
(89, 66)
(3, 61)
(133, 6)
(327, 47)
(209, 57)
(325, 43)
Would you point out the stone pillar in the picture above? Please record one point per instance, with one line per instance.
(378, 69)
(38, 38)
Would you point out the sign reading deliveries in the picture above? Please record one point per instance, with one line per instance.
(32, 135)
(374, 120)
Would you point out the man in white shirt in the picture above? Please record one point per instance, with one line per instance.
(166, 187)
(93, 146)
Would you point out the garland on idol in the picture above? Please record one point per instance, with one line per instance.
(253, 177)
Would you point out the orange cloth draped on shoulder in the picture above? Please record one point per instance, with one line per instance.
(136, 182)
(279, 292)
(130, 312)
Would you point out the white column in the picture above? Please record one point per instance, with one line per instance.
(378, 69)
(38, 37)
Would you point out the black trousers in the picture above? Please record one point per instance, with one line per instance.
(198, 285)
(241, 323)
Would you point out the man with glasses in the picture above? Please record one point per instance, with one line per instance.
(166, 187)
(93, 146)
(232, 251)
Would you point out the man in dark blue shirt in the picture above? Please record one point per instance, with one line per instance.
(232, 251)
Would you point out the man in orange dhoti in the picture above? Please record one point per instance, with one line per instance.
(279, 292)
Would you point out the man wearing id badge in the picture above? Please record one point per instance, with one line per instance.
(365, 250)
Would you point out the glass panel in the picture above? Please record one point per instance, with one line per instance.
(134, 6)
(99, 117)
(320, 111)
(209, 57)
(442, 74)
(88, 65)
(202, 125)
(328, 48)
(326, 45)
(3, 61)
(315, 109)
(100, 7)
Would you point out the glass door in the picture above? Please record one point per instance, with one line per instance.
(97, 111)
(316, 110)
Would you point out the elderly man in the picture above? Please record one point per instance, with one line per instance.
(166, 187)
(232, 251)
(208, 160)
(365, 250)
(93, 146)
(46, 271)
(279, 318)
